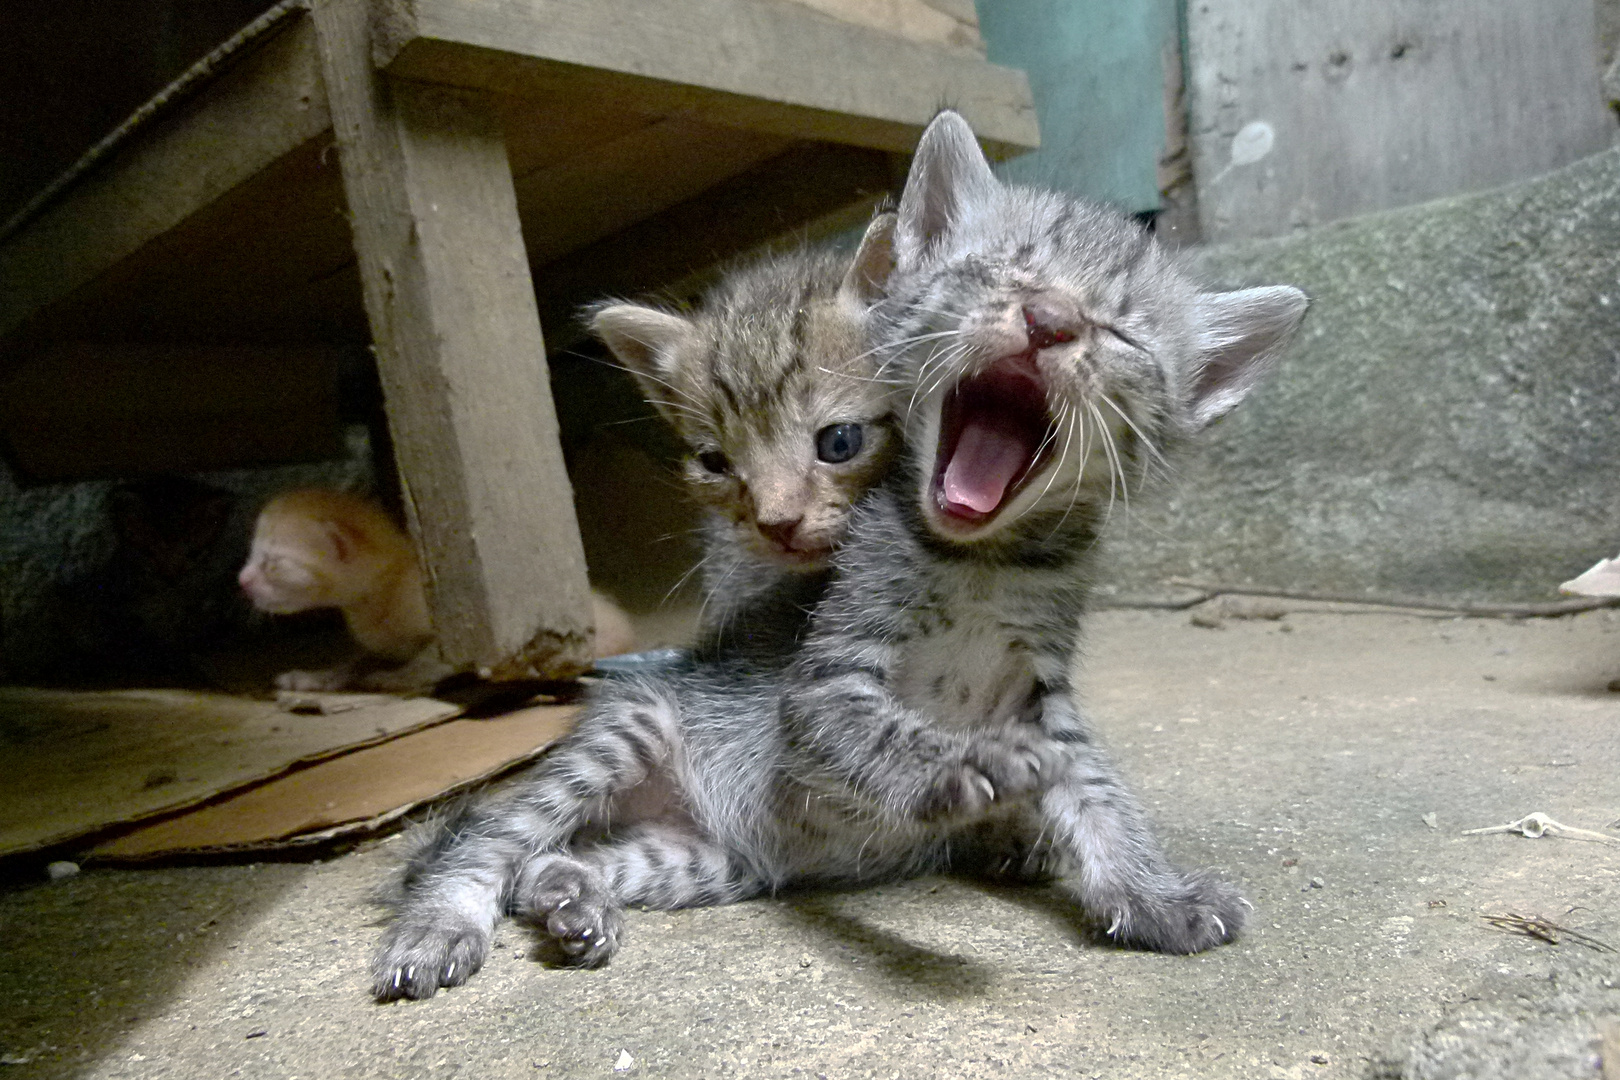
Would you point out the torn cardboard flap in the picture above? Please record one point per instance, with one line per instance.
(358, 792)
(78, 763)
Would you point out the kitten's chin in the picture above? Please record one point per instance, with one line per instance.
(995, 437)
(805, 561)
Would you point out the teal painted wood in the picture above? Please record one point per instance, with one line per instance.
(1097, 72)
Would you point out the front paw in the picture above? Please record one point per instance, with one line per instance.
(317, 681)
(1016, 762)
(419, 954)
(573, 904)
(958, 792)
(1196, 912)
(994, 769)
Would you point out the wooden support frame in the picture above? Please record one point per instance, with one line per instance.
(759, 66)
(457, 335)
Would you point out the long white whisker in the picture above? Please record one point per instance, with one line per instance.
(700, 564)
(1108, 449)
(1142, 438)
(1117, 456)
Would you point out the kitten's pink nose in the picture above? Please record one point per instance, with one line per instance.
(1046, 326)
(245, 579)
(781, 533)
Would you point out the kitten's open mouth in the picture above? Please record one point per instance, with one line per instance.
(994, 434)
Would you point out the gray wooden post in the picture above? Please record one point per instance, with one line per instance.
(459, 349)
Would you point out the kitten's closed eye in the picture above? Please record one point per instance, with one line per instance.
(838, 443)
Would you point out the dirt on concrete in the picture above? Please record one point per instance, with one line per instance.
(1329, 762)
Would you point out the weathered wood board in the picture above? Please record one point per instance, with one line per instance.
(1306, 111)
(457, 333)
(755, 64)
(85, 410)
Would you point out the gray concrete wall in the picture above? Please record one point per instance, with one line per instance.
(1448, 423)
(1310, 111)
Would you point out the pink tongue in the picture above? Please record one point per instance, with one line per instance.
(986, 460)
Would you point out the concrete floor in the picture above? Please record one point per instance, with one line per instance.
(1299, 756)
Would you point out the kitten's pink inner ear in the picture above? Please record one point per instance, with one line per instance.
(343, 540)
(988, 457)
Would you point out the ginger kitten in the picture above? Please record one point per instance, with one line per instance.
(316, 548)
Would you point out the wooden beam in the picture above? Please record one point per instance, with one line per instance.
(86, 410)
(268, 105)
(777, 68)
(622, 181)
(791, 194)
(452, 310)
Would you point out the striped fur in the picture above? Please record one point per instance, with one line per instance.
(923, 717)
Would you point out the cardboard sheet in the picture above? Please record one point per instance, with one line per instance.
(357, 792)
(74, 763)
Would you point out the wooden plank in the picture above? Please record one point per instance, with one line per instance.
(256, 113)
(452, 310)
(85, 410)
(1348, 107)
(630, 178)
(916, 20)
(754, 64)
(809, 191)
(270, 262)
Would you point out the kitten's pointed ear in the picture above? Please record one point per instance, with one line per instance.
(868, 274)
(646, 341)
(346, 539)
(1239, 336)
(949, 174)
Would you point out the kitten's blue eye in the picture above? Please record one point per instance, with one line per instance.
(837, 443)
(714, 461)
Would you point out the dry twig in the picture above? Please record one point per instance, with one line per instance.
(1534, 926)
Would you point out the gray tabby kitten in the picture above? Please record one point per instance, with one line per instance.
(771, 385)
(1050, 354)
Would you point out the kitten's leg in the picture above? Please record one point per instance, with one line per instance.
(456, 887)
(579, 898)
(1121, 874)
(340, 677)
(1005, 851)
(851, 724)
(418, 675)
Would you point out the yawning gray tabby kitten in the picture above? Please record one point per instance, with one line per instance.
(1048, 355)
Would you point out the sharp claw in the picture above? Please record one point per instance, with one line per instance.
(1244, 901)
(1113, 927)
(985, 786)
(1219, 924)
(450, 972)
(398, 974)
(585, 933)
(562, 905)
